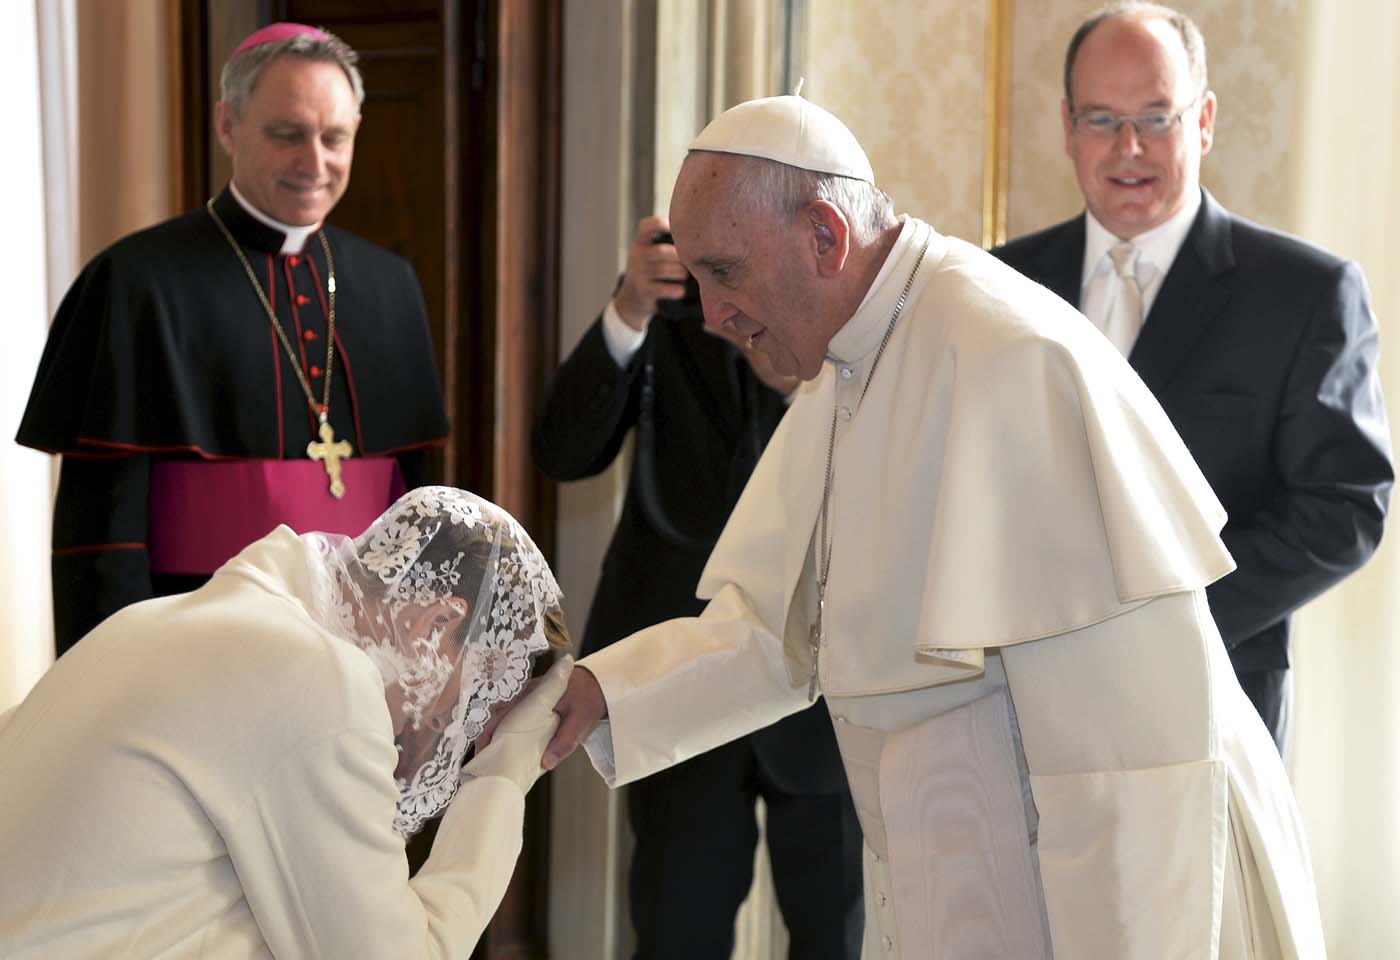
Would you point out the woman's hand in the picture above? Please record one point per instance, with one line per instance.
(514, 748)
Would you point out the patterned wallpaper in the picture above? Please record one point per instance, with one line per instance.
(1252, 49)
(907, 77)
(1042, 189)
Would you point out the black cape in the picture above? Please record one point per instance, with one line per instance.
(162, 349)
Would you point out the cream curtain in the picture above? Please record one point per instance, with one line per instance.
(25, 624)
(93, 155)
(128, 118)
(1346, 753)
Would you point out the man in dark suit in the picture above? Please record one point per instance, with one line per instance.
(1260, 347)
(703, 410)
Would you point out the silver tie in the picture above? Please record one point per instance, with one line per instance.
(1125, 312)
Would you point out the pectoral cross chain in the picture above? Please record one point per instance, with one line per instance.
(330, 451)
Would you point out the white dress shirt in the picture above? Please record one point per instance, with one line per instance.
(1157, 249)
(621, 338)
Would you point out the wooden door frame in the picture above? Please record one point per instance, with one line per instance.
(502, 64)
(529, 66)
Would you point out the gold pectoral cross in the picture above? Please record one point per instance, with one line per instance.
(331, 451)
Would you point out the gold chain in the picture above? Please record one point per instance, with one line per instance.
(321, 413)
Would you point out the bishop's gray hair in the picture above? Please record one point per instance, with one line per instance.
(240, 78)
(768, 187)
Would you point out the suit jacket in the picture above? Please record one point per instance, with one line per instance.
(702, 419)
(1262, 350)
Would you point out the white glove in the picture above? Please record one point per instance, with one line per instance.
(519, 741)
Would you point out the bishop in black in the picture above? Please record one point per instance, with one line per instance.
(182, 417)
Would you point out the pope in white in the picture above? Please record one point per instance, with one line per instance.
(978, 536)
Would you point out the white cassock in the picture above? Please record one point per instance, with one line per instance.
(1046, 744)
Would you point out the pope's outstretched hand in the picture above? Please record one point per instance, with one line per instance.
(580, 710)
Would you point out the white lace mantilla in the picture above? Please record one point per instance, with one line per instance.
(448, 596)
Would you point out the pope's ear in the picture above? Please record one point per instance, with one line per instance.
(831, 237)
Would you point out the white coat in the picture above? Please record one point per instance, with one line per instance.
(212, 775)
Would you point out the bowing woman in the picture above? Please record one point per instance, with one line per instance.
(233, 772)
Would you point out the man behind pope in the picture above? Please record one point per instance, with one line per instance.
(977, 534)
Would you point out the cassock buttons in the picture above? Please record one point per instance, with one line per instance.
(887, 943)
(293, 260)
(302, 299)
(845, 413)
(315, 371)
(847, 373)
(308, 335)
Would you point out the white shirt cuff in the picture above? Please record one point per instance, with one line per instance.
(599, 747)
(622, 341)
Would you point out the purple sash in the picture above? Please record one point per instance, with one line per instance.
(203, 512)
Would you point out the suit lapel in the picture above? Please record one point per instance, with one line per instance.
(1060, 266)
(1193, 294)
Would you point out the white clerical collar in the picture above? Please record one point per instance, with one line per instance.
(862, 334)
(293, 238)
(1157, 247)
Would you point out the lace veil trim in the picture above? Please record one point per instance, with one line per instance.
(448, 596)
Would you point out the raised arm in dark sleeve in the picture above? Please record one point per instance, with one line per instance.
(588, 407)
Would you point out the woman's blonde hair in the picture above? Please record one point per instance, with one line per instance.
(556, 631)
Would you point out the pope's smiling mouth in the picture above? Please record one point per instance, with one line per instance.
(1131, 181)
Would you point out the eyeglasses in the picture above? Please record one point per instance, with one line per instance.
(1148, 126)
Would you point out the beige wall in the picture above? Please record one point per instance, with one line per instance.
(1347, 652)
(907, 77)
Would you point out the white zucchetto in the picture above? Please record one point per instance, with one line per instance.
(790, 130)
